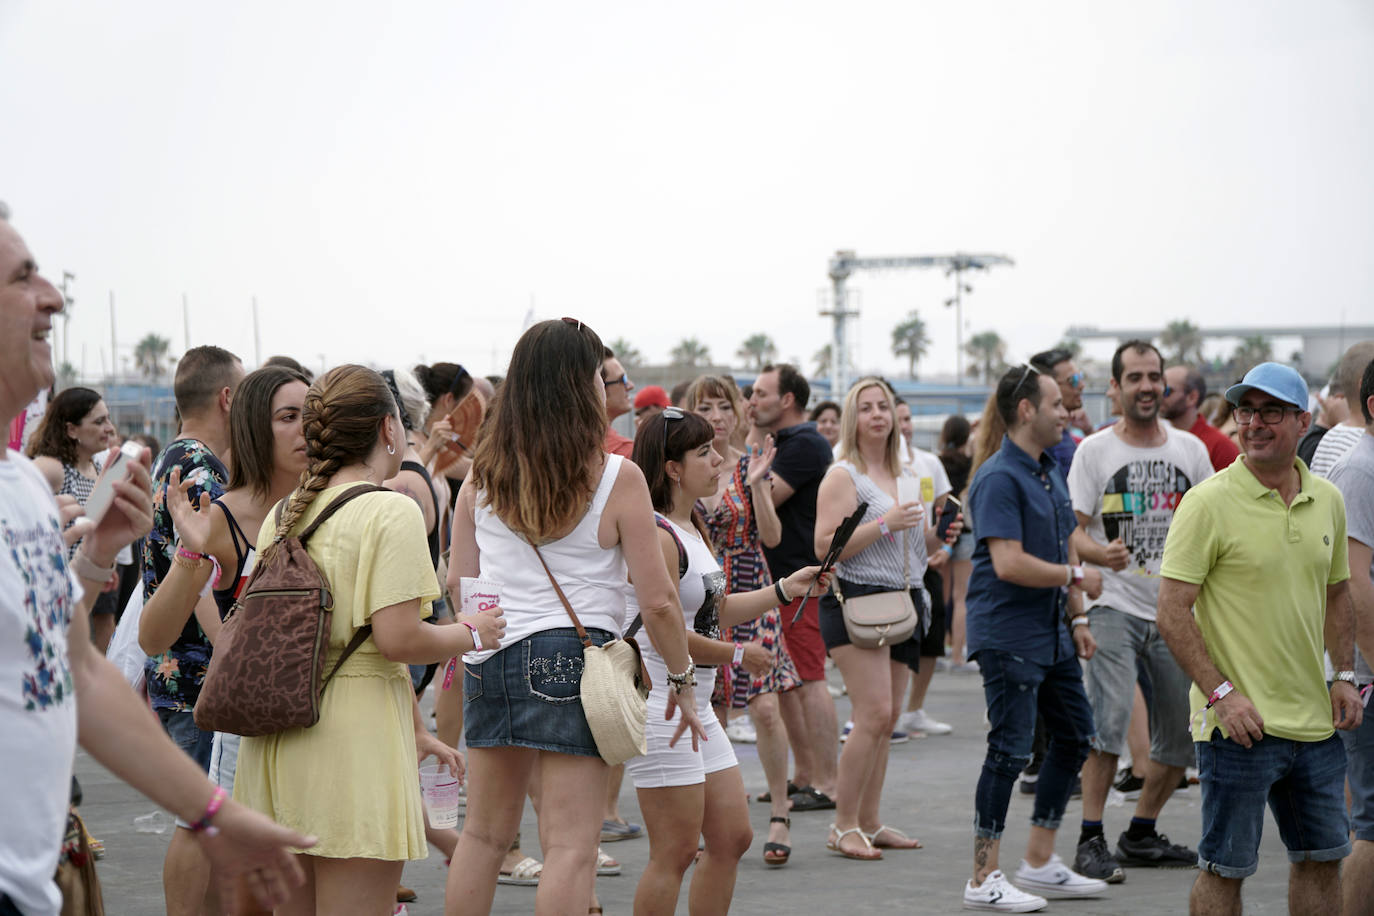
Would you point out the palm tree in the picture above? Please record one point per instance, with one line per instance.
(757, 351)
(909, 339)
(1251, 352)
(1184, 338)
(821, 360)
(148, 355)
(990, 350)
(691, 353)
(629, 357)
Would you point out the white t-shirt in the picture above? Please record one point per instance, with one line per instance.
(37, 705)
(934, 480)
(1335, 445)
(1131, 493)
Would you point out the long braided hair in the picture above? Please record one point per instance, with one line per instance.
(342, 420)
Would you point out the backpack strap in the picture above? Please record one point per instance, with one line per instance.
(359, 637)
(681, 551)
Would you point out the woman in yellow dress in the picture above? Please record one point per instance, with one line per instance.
(351, 779)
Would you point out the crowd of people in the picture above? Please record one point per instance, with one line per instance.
(1154, 588)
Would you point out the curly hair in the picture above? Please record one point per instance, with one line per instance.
(50, 439)
(342, 420)
(541, 440)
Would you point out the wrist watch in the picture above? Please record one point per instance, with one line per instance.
(1347, 676)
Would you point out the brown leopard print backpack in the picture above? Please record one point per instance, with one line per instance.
(267, 670)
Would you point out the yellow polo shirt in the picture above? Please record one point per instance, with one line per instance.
(1264, 568)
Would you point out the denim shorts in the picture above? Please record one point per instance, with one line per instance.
(1359, 749)
(964, 544)
(528, 695)
(1304, 784)
(1123, 642)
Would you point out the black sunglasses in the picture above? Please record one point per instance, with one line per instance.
(670, 413)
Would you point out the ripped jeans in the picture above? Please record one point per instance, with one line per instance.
(1016, 688)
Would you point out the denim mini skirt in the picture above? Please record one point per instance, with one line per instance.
(528, 695)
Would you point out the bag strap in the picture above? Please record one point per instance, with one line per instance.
(577, 624)
(667, 526)
(359, 637)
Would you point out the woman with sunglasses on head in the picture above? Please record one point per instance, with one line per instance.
(887, 552)
(351, 779)
(742, 520)
(541, 486)
(685, 792)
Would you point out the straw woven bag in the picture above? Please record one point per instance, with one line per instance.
(614, 689)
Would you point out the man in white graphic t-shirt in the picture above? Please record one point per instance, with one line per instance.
(1125, 483)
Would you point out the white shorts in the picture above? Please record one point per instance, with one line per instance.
(679, 765)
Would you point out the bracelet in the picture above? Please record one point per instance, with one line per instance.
(781, 593)
(1080, 621)
(216, 802)
(1220, 693)
(949, 551)
(680, 682)
(476, 639)
(882, 526)
(1068, 576)
(189, 559)
(86, 568)
(739, 654)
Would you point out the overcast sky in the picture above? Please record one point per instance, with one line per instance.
(397, 181)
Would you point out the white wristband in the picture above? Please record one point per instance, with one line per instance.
(1080, 621)
(739, 654)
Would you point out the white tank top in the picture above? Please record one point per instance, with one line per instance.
(700, 590)
(592, 576)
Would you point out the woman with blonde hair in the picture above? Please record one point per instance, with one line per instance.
(887, 552)
(542, 491)
(742, 520)
(351, 778)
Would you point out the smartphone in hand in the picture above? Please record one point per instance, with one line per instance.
(948, 513)
(116, 469)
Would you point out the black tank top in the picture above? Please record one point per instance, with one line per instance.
(433, 533)
(243, 549)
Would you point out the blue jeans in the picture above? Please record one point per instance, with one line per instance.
(1359, 753)
(1304, 784)
(1016, 688)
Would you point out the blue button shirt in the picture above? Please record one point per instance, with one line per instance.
(1016, 497)
(1063, 451)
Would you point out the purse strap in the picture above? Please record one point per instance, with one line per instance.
(577, 624)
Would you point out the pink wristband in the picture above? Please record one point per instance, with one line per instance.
(476, 639)
(1220, 693)
(216, 802)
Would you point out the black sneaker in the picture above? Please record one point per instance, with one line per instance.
(1094, 860)
(1129, 784)
(1153, 851)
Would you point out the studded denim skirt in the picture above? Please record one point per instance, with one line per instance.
(527, 695)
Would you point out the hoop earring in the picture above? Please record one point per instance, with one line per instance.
(391, 449)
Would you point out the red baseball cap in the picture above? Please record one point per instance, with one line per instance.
(652, 396)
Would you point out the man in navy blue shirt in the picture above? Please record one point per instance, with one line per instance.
(1025, 631)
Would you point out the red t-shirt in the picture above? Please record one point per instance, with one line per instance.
(1220, 448)
(617, 444)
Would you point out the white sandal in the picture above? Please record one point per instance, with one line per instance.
(606, 867)
(525, 873)
(873, 838)
(834, 845)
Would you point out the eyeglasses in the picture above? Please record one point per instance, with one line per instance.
(1168, 390)
(1269, 413)
(670, 413)
(1077, 379)
(623, 380)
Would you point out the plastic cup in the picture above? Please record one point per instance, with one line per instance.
(477, 594)
(439, 788)
(908, 490)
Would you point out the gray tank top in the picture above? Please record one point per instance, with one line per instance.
(881, 562)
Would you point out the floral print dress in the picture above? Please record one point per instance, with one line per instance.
(735, 536)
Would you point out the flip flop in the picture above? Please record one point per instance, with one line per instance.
(606, 867)
(525, 873)
(777, 853)
(767, 797)
(834, 845)
(903, 841)
(809, 798)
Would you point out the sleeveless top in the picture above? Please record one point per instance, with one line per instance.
(881, 562)
(432, 537)
(78, 485)
(701, 589)
(233, 580)
(591, 576)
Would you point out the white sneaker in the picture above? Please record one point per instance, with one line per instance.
(1054, 877)
(917, 721)
(741, 731)
(997, 893)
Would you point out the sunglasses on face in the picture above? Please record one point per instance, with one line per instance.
(1077, 379)
(623, 380)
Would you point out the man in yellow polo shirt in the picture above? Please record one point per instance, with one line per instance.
(1260, 548)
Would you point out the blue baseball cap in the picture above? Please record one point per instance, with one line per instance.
(1283, 382)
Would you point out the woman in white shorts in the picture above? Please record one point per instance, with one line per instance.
(688, 791)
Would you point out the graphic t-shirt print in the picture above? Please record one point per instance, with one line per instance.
(1137, 506)
(707, 620)
(37, 552)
